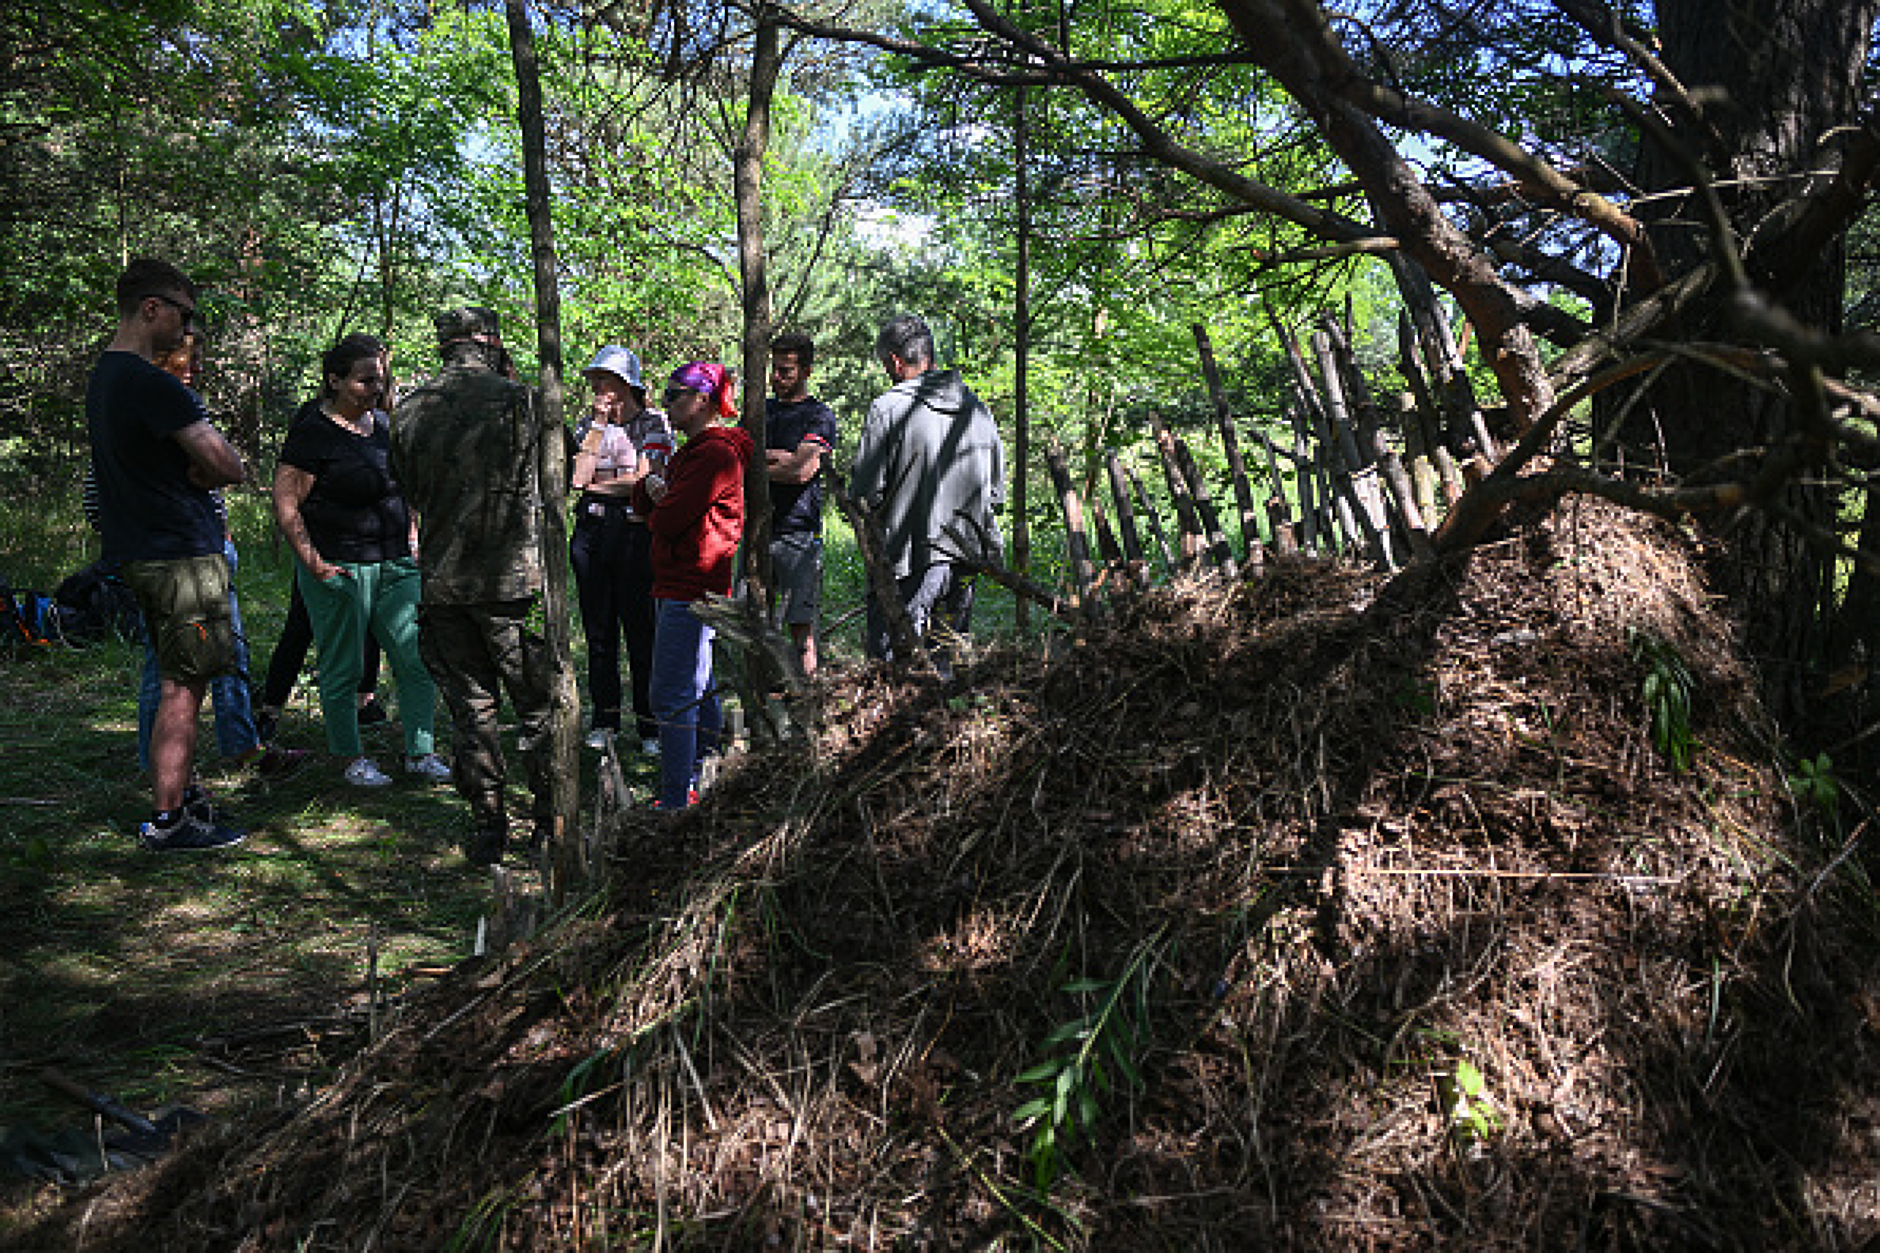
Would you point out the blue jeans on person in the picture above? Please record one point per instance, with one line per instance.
(684, 699)
(235, 732)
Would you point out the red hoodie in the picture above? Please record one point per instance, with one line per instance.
(697, 524)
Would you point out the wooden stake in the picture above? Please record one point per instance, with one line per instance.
(1230, 444)
(1154, 519)
(1083, 573)
(1125, 516)
(1190, 521)
(1218, 548)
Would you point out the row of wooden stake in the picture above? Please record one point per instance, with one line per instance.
(1355, 491)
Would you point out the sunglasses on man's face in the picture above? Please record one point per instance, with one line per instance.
(188, 311)
(676, 394)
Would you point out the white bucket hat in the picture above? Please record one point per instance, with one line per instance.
(619, 362)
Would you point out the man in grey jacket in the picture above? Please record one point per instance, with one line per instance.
(929, 457)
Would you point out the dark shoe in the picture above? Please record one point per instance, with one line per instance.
(197, 805)
(484, 847)
(189, 835)
(372, 713)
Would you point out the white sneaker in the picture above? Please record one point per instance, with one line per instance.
(650, 747)
(597, 739)
(364, 772)
(430, 767)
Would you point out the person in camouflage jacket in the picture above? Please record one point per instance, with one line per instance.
(465, 445)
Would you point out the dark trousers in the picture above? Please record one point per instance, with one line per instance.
(613, 568)
(936, 596)
(476, 653)
(290, 654)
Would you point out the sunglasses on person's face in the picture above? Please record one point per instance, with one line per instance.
(188, 311)
(676, 394)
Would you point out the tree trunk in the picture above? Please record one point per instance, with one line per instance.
(1788, 72)
(747, 174)
(1021, 381)
(566, 868)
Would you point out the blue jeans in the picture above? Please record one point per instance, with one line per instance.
(684, 699)
(235, 732)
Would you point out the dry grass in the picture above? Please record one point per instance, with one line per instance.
(1344, 835)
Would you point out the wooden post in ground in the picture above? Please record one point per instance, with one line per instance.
(1083, 573)
(1359, 478)
(1449, 375)
(1125, 516)
(1219, 550)
(1352, 522)
(1153, 518)
(1192, 532)
(1417, 450)
(1303, 466)
(1284, 542)
(1230, 444)
(1107, 547)
(1373, 446)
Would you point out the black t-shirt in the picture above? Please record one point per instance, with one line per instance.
(356, 511)
(797, 507)
(148, 508)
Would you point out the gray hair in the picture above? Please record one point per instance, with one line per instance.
(907, 337)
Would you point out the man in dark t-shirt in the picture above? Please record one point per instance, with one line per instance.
(157, 458)
(799, 432)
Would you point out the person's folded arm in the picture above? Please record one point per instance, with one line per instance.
(213, 461)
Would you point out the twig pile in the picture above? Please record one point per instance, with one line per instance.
(1391, 925)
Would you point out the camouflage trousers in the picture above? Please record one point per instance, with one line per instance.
(477, 652)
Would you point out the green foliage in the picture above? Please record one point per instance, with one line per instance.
(1086, 1057)
(1468, 1112)
(1814, 786)
(1667, 695)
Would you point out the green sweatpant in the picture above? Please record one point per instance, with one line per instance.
(382, 597)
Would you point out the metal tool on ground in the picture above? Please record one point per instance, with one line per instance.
(137, 1135)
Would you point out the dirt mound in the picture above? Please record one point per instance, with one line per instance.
(1319, 911)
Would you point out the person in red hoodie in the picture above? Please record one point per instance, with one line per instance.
(695, 515)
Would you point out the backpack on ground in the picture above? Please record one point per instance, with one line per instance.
(27, 619)
(94, 605)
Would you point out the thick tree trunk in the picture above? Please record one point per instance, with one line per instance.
(566, 868)
(1784, 74)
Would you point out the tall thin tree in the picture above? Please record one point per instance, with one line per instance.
(565, 867)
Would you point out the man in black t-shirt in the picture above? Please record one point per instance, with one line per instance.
(157, 458)
(799, 431)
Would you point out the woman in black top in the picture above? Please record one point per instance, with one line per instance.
(354, 541)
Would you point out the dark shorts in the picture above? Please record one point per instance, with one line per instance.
(796, 564)
(185, 604)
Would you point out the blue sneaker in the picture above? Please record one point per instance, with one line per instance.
(189, 834)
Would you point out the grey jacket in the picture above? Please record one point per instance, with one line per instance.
(929, 451)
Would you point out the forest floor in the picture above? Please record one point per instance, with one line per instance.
(1322, 910)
